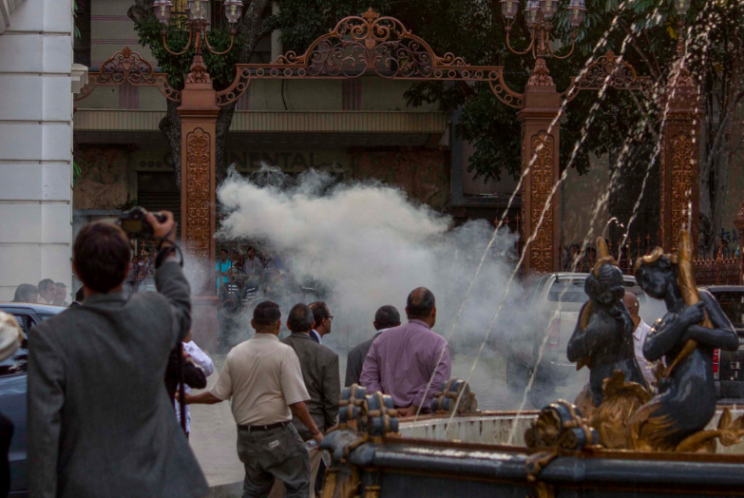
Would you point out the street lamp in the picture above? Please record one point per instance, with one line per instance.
(198, 12)
(537, 15)
(681, 6)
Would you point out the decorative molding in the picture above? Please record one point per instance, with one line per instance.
(540, 74)
(198, 72)
(683, 176)
(198, 178)
(541, 185)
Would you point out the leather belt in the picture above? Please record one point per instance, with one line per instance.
(261, 428)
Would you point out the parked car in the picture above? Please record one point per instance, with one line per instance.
(13, 379)
(554, 303)
(727, 365)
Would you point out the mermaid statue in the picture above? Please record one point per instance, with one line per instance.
(603, 337)
(685, 337)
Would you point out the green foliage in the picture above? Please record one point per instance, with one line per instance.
(74, 14)
(220, 67)
(302, 22)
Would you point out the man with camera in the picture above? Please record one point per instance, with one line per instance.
(99, 420)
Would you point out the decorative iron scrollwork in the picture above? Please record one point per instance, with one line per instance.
(128, 67)
(238, 88)
(371, 44)
(608, 71)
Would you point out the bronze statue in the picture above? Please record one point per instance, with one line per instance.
(603, 337)
(686, 336)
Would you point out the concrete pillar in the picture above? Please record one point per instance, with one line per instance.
(680, 159)
(540, 146)
(35, 142)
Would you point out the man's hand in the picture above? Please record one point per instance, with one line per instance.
(165, 230)
(318, 437)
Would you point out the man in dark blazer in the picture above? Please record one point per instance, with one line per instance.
(322, 380)
(100, 423)
(386, 317)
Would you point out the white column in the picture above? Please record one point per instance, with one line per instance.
(36, 144)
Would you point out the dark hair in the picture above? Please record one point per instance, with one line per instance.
(266, 314)
(420, 303)
(44, 284)
(320, 312)
(224, 250)
(387, 316)
(101, 255)
(22, 292)
(300, 318)
(79, 295)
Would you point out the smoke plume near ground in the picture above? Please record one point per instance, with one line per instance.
(369, 246)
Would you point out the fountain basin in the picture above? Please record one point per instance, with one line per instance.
(469, 458)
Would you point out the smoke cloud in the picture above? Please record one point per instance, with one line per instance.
(368, 246)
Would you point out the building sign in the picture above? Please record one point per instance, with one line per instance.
(289, 162)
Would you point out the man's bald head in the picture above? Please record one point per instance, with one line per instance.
(631, 302)
(420, 304)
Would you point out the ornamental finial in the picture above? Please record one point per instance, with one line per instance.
(370, 15)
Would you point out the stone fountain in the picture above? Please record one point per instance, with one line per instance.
(620, 437)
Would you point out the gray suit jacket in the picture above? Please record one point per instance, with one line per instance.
(100, 423)
(322, 380)
(355, 361)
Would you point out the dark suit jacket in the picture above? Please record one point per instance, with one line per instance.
(322, 380)
(355, 361)
(100, 423)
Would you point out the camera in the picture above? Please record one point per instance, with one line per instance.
(135, 224)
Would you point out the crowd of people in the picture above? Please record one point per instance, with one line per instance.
(47, 292)
(101, 418)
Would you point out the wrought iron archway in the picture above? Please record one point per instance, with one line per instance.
(371, 45)
(126, 66)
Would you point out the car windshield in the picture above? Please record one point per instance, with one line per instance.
(732, 303)
(572, 291)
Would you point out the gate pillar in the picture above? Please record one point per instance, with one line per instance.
(680, 159)
(198, 114)
(540, 149)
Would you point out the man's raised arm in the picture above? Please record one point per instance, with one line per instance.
(169, 278)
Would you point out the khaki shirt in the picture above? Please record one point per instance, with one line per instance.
(263, 377)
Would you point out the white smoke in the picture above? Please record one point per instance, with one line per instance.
(369, 246)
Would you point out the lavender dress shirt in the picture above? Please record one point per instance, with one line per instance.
(401, 361)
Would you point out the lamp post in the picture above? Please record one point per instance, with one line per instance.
(541, 131)
(680, 159)
(198, 23)
(538, 15)
(198, 113)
